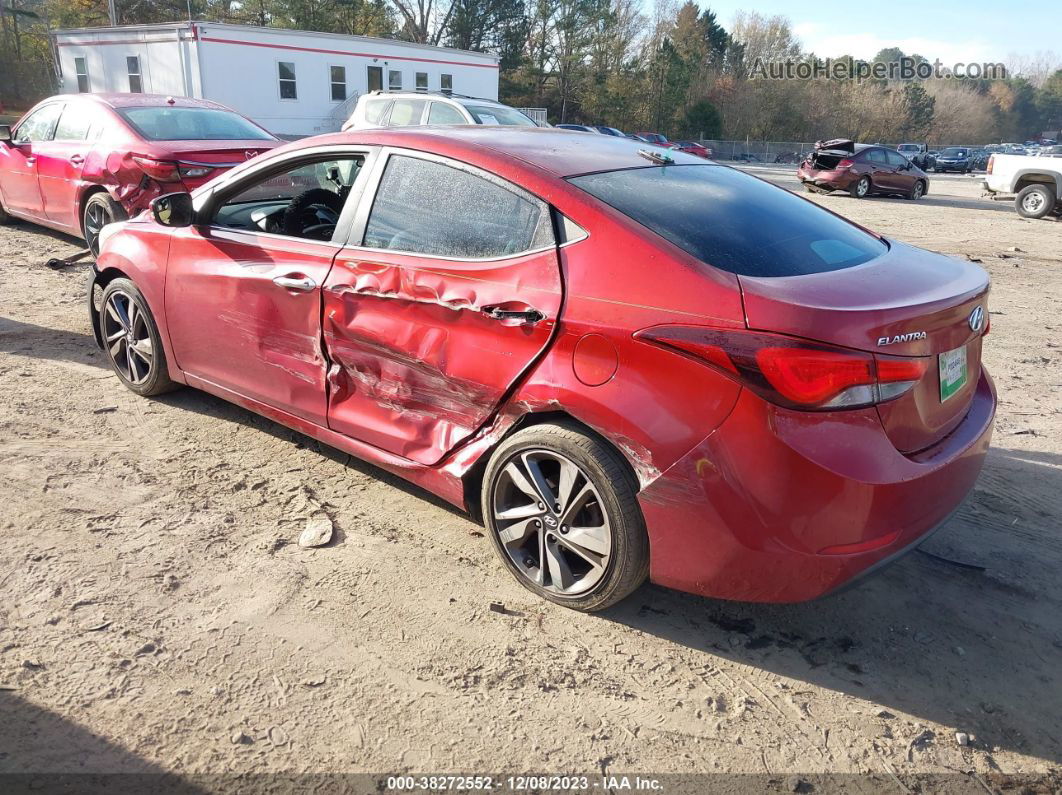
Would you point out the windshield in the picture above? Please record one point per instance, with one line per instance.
(953, 151)
(192, 124)
(499, 114)
(734, 221)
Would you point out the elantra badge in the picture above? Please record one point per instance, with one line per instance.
(977, 318)
(910, 336)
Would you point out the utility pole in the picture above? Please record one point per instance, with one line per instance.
(112, 13)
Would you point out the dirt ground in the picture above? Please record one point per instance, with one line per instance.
(156, 614)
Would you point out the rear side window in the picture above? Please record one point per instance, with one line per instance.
(425, 207)
(733, 221)
(875, 156)
(406, 112)
(374, 110)
(74, 124)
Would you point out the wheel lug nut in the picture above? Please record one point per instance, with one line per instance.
(564, 530)
(528, 562)
(541, 506)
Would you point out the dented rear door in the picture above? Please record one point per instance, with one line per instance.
(448, 293)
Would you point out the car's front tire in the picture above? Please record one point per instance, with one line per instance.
(99, 210)
(561, 510)
(1035, 201)
(131, 339)
(918, 191)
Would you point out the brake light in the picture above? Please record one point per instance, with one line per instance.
(161, 170)
(846, 163)
(795, 373)
(991, 162)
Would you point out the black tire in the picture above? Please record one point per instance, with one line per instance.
(1035, 201)
(4, 217)
(99, 210)
(918, 191)
(613, 501)
(861, 189)
(145, 375)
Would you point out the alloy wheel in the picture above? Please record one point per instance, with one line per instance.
(1033, 202)
(128, 338)
(918, 190)
(551, 522)
(863, 187)
(96, 217)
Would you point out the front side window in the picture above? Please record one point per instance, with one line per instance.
(434, 209)
(132, 65)
(422, 81)
(441, 113)
(733, 221)
(406, 112)
(896, 160)
(338, 82)
(375, 78)
(446, 82)
(394, 80)
(171, 123)
(304, 202)
(81, 69)
(39, 125)
(286, 77)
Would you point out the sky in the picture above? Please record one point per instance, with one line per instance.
(955, 31)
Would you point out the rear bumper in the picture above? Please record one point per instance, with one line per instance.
(748, 513)
(828, 180)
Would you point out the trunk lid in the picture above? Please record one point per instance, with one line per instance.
(215, 155)
(828, 154)
(908, 302)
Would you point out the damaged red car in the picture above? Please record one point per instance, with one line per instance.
(78, 162)
(861, 170)
(627, 364)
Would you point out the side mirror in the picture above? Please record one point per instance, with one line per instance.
(173, 209)
(5, 133)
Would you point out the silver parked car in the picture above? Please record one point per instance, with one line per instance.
(413, 108)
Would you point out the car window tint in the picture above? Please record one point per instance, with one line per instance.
(429, 208)
(734, 221)
(39, 125)
(192, 124)
(374, 110)
(875, 156)
(441, 113)
(896, 159)
(74, 123)
(406, 112)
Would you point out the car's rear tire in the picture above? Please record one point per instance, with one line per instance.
(560, 507)
(861, 189)
(131, 340)
(99, 210)
(5, 218)
(1035, 201)
(918, 191)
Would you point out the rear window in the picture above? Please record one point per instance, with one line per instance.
(734, 221)
(192, 124)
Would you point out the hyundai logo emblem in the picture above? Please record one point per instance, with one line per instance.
(977, 318)
(550, 521)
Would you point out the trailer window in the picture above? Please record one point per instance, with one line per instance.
(375, 78)
(286, 78)
(338, 81)
(81, 68)
(446, 82)
(422, 81)
(394, 80)
(132, 66)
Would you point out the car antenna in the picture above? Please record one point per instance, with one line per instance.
(656, 157)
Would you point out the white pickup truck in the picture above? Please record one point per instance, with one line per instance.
(1036, 183)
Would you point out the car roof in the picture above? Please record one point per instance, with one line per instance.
(460, 99)
(141, 100)
(561, 153)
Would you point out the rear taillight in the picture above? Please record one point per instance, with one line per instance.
(169, 171)
(792, 372)
(991, 162)
(846, 163)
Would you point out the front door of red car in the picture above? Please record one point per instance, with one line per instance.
(449, 292)
(18, 160)
(60, 162)
(243, 288)
(903, 176)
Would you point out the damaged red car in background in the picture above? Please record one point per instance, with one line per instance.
(78, 162)
(629, 363)
(862, 170)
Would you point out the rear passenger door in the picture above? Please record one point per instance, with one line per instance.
(448, 291)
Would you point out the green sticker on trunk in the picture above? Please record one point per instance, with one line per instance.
(952, 372)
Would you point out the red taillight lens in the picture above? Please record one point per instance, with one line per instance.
(846, 163)
(792, 372)
(161, 170)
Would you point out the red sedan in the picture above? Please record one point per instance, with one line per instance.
(694, 148)
(76, 163)
(862, 170)
(625, 367)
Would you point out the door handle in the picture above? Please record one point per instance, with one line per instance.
(303, 284)
(77, 160)
(524, 315)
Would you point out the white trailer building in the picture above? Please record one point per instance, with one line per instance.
(292, 82)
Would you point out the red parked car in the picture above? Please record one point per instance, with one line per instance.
(625, 368)
(693, 148)
(657, 139)
(76, 163)
(861, 169)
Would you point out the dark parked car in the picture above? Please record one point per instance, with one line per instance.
(861, 169)
(747, 157)
(76, 163)
(917, 154)
(609, 131)
(575, 127)
(798, 402)
(954, 158)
